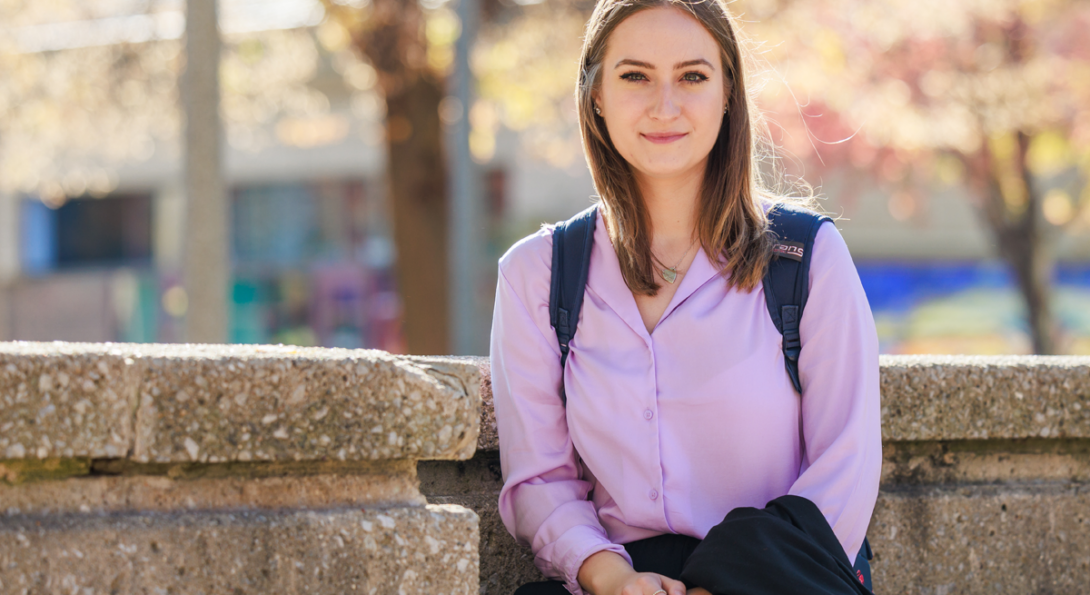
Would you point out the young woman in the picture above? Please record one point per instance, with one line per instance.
(679, 409)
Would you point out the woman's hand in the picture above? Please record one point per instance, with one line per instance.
(698, 591)
(649, 583)
(607, 573)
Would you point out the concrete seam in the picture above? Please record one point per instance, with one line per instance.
(138, 367)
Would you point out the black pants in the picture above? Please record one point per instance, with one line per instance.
(787, 547)
(662, 554)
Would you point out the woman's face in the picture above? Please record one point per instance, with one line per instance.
(662, 92)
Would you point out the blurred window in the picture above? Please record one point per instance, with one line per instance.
(290, 225)
(274, 225)
(86, 232)
(313, 265)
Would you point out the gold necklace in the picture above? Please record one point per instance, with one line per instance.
(669, 274)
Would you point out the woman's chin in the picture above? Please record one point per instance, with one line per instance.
(660, 170)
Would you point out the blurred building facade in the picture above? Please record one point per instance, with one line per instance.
(311, 250)
(313, 256)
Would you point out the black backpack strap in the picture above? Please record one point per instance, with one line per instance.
(862, 565)
(572, 242)
(787, 286)
(787, 281)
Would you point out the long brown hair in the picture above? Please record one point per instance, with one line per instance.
(730, 217)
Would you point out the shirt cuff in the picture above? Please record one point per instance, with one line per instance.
(586, 542)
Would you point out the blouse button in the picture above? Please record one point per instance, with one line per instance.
(653, 495)
(647, 414)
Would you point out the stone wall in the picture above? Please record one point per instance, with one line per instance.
(201, 469)
(188, 469)
(984, 480)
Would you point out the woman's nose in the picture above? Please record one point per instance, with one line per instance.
(664, 106)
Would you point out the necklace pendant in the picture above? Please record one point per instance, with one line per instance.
(669, 275)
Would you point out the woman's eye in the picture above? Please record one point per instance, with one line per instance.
(688, 77)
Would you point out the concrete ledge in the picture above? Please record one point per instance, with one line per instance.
(398, 550)
(205, 403)
(977, 397)
(65, 402)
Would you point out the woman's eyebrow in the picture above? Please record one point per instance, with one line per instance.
(696, 62)
(685, 64)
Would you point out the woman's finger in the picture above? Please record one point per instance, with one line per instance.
(672, 587)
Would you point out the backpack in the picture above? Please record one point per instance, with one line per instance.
(786, 286)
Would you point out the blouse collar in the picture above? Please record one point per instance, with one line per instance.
(606, 281)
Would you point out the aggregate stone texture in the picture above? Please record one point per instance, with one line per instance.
(489, 438)
(58, 400)
(978, 397)
(143, 493)
(221, 403)
(430, 550)
(1030, 461)
(982, 540)
(281, 404)
(475, 484)
(505, 565)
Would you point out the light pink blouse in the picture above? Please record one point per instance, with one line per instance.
(676, 428)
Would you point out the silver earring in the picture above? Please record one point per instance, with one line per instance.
(597, 110)
(725, 108)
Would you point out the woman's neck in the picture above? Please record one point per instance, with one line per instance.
(672, 205)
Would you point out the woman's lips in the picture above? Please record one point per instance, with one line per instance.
(664, 137)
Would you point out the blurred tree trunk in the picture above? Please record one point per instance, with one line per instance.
(394, 42)
(207, 255)
(1012, 207)
(992, 83)
(1010, 204)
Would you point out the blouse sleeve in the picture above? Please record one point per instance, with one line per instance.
(838, 367)
(543, 502)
